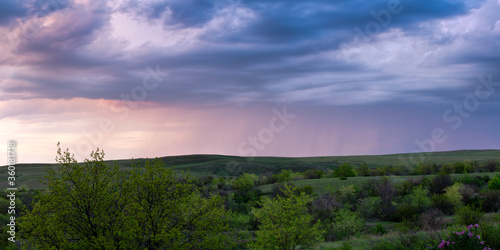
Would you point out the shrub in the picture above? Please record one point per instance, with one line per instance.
(406, 212)
(491, 201)
(380, 229)
(475, 181)
(420, 200)
(345, 170)
(309, 190)
(369, 208)
(245, 182)
(453, 195)
(490, 234)
(491, 165)
(346, 194)
(363, 169)
(432, 220)
(494, 184)
(463, 238)
(313, 174)
(441, 202)
(285, 222)
(285, 175)
(277, 189)
(439, 183)
(468, 215)
(345, 224)
(468, 193)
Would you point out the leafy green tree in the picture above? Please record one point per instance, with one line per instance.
(345, 170)
(168, 212)
(97, 206)
(364, 170)
(82, 207)
(286, 224)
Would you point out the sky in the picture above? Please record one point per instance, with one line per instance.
(294, 78)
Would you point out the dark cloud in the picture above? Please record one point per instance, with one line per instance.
(10, 9)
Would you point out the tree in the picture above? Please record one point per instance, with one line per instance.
(364, 170)
(168, 212)
(98, 206)
(82, 207)
(245, 182)
(345, 170)
(285, 223)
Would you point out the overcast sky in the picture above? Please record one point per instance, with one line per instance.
(260, 77)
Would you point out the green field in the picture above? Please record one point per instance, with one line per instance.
(230, 166)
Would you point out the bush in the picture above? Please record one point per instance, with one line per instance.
(490, 234)
(469, 196)
(313, 174)
(277, 189)
(345, 225)
(439, 183)
(432, 220)
(345, 170)
(494, 184)
(453, 195)
(285, 222)
(463, 238)
(369, 208)
(441, 202)
(285, 175)
(491, 165)
(380, 229)
(468, 215)
(406, 212)
(491, 200)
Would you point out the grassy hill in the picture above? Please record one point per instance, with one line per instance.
(220, 165)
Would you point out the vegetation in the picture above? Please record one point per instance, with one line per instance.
(147, 205)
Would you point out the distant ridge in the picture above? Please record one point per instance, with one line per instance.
(224, 165)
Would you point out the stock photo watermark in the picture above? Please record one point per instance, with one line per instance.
(11, 190)
(105, 126)
(255, 143)
(35, 24)
(381, 19)
(453, 116)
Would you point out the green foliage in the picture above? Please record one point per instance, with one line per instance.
(245, 182)
(313, 174)
(345, 224)
(363, 170)
(463, 238)
(491, 234)
(369, 208)
(494, 184)
(468, 215)
(380, 229)
(285, 175)
(491, 201)
(346, 194)
(285, 223)
(345, 170)
(169, 212)
(453, 195)
(97, 206)
(420, 199)
(441, 202)
(406, 212)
